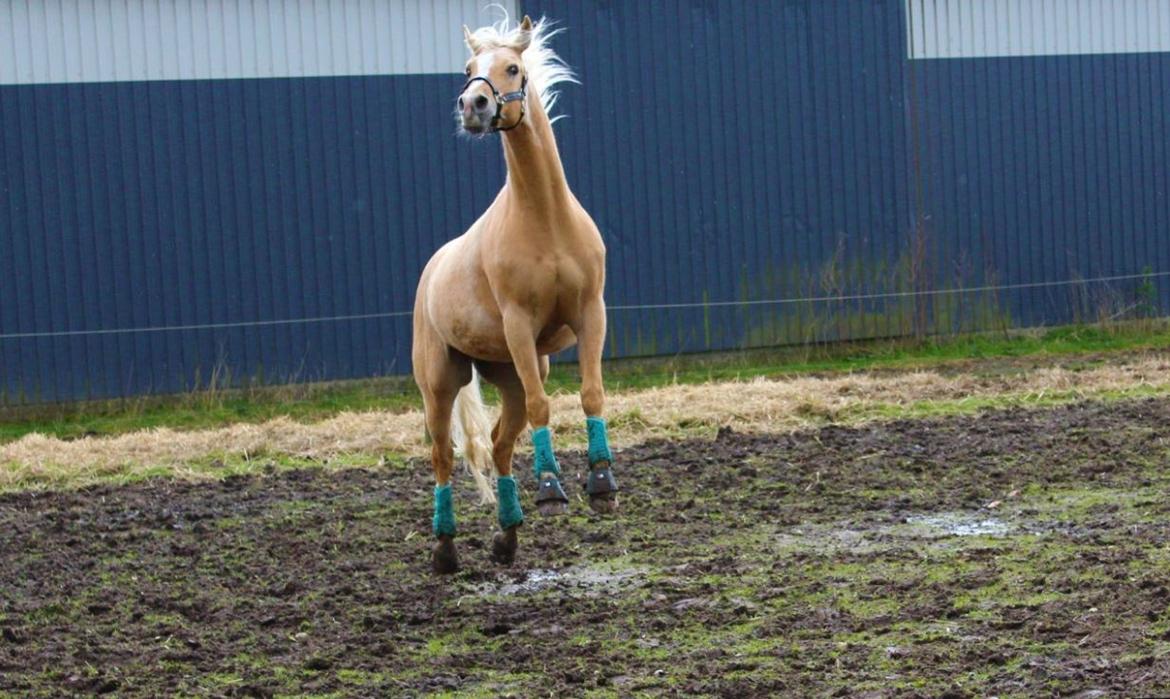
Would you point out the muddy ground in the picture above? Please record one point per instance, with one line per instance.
(1017, 553)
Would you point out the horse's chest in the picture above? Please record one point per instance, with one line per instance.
(543, 283)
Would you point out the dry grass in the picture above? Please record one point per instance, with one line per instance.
(670, 411)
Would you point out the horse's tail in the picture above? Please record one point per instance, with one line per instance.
(471, 431)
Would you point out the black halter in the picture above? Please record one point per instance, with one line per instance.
(520, 95)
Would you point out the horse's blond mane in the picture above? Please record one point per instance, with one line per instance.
(544, 67)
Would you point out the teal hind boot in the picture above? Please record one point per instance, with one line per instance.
(444, 557)
(504, 543)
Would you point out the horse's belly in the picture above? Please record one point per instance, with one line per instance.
(467, 331)
(492, 346)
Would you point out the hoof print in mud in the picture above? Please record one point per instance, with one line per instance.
(444, 558)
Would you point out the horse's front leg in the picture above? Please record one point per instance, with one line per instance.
(602, 487)
(520, 334)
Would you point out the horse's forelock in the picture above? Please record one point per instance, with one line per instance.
(544, 67)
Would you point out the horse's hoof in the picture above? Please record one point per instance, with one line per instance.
(602, 489)
(605, 504)
(444, 558)
(551, 499)
(504, 546)
(552, 508)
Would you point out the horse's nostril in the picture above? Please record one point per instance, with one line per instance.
(480, 102)
(460, 103)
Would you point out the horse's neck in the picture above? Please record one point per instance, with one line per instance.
(536, 178)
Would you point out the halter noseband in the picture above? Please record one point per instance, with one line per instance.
(503, 99)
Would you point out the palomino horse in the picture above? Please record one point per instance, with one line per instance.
(525, 281)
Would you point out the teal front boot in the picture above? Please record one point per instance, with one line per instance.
(602, 486)
(550, 496)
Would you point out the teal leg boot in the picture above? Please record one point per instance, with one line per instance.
(550, 496)
(504, 543)
(444, 558)
(602, 486)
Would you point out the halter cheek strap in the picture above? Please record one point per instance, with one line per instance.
(501, 100)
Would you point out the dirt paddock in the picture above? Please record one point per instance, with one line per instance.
(1013, 553)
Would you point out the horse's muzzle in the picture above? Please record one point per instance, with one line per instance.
(476, 111)
(476, 126)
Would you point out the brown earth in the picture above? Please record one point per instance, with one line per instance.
(1014, 553)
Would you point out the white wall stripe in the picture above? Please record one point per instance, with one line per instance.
(990, 28)
(75, 41)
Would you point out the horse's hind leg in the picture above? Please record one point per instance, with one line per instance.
(444, 558)
(513, 418)
(440, 375)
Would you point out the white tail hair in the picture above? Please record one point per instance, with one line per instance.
(471, 432)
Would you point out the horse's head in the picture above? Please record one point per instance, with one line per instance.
(494, 96)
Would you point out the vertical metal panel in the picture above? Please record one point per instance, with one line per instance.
(761, 140)
(986, 158)
(157, 234)
(982, 29)
(1066, 182)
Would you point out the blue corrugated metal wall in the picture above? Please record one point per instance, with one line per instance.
(221, 207)
(764, 172)
(1050, 168)
(789, 156)
(761, 140)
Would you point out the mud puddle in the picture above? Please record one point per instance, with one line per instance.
(574, 580)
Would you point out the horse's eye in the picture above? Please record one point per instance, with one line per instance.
(513, 70)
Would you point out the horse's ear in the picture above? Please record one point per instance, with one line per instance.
(469, 39)
(525, 33)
